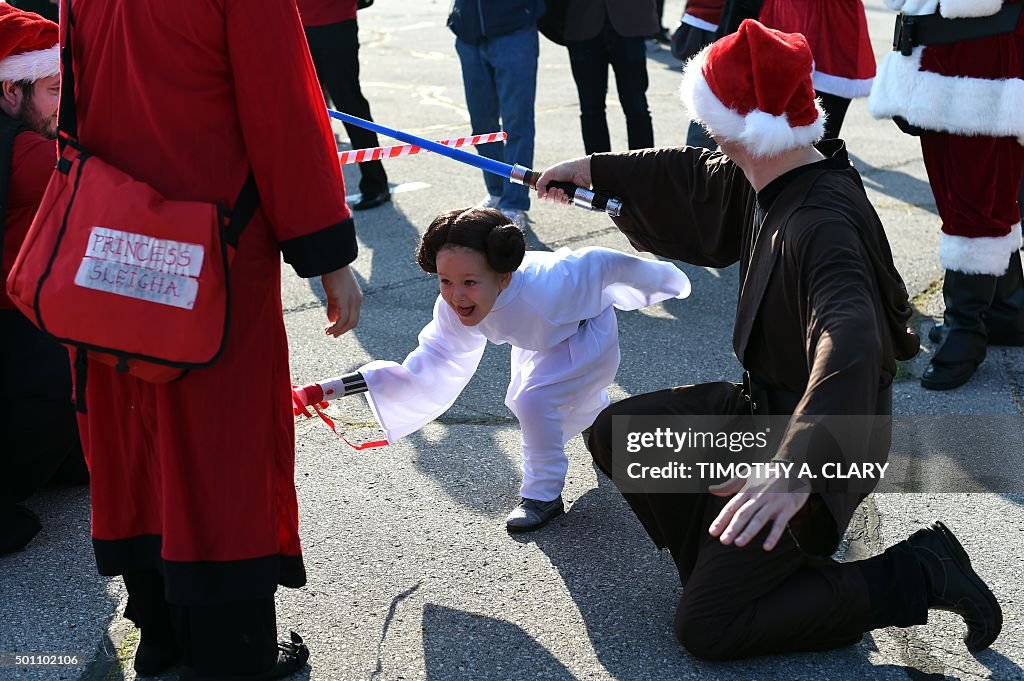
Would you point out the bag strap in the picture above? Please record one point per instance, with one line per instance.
(67, 115)
(248, 198)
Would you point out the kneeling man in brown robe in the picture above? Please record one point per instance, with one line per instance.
(821, 320)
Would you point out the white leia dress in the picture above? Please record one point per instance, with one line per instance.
(557, 315)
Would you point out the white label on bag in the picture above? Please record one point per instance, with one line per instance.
(143, 267)
(162, 255)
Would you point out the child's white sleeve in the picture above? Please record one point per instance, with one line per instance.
(600, 277)
(405, 397)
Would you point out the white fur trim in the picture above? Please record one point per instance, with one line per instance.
(31, 66)
(962, 106)
(696, 22)
(958, 9)
(843, 87)
(762, 133)
(979, 255)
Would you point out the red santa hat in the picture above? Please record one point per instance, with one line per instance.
(29, 48)
(754, 87)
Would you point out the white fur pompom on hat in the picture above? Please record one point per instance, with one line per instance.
(754, 87)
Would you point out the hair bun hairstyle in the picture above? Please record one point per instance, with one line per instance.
(485, 230)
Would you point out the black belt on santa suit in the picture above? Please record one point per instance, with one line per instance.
(765, 399)
(934, 29)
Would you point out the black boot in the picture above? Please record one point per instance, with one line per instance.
(968, 297)
(1004, 321)
(954, 586)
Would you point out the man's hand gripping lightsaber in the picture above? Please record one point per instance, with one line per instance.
(580, 196)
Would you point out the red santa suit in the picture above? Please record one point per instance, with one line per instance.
(189, 96)
(703, 14)
(971, 93)
(837, 31)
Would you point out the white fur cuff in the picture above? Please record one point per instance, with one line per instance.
(979, 255)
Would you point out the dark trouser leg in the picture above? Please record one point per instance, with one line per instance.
(741, 602)
(1004, 320)
(671, 520)
(835, 110)
(897, 589)
(589, 62)
(335, 52)
(37, 420)
(235, 638)
(629, 61)
(697, 136)
(147, 608)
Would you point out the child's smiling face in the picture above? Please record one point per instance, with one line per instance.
(468, 284)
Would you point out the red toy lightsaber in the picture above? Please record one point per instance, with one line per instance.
(316, 395)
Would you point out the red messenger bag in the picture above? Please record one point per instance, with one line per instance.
(119, 274)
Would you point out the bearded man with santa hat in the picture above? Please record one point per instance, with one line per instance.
(821, 320)
(956, 78)
(37, 419)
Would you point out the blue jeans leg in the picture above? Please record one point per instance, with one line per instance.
(514, 60)
(478, 80)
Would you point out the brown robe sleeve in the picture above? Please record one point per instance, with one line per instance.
(682, 203)
(838, 301)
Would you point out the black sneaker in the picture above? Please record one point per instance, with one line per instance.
(531, 514)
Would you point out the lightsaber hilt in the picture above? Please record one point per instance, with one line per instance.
(580, 196)
(331, 389)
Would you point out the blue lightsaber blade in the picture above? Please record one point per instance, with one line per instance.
(580, 196)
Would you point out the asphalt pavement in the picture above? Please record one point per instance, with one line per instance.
(411, 573)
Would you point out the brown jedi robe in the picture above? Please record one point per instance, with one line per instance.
(822, 310)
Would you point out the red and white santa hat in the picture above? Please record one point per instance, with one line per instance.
(754, 87)
(29, 48)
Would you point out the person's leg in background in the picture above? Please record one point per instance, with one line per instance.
(589, 62)
(37, 419)
(335, 52)
(478, 81)
(835, 112)
(978, 249)
(662, 35)
(698, 136)
(514, 59)
(147, 608)
(628, 58)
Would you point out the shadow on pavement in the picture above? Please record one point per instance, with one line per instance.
(459, 645)
(53, 601)
(897, 184)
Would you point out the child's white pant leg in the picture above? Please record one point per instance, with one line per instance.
(544, 461)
